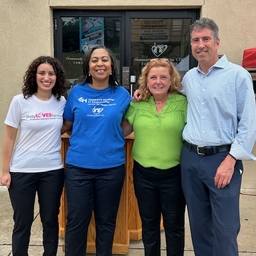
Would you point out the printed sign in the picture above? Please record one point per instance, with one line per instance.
(91, 32)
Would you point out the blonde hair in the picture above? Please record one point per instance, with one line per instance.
(175, 77)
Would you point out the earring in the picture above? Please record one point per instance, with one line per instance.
(89, 74)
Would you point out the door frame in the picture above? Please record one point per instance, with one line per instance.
(125, 27)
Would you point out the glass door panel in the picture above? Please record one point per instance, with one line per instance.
(79, 34)
(159, 38)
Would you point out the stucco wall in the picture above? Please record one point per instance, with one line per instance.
(236, 21)
(26, 31)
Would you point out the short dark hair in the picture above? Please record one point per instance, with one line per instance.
(206, 23)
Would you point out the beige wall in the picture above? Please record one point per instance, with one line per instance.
(26, 31)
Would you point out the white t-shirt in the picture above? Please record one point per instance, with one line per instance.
(40, 122)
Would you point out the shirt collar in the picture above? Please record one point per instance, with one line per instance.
(221, 63)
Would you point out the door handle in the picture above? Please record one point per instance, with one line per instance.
(125, 77)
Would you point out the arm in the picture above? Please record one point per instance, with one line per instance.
(66, 127)
(127, 128)
(245, 136)
(8, 146)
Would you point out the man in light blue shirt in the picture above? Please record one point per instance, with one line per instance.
(220, 132)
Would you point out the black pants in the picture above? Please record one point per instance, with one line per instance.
(88, 190)
(159, 192)
(22, 191)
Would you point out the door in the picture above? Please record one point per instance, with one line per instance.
(134, 37)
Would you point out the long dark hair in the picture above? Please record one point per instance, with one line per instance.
(85, 78)
(29, 80)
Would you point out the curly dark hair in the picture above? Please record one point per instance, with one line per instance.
(85, 78)
(29, 80)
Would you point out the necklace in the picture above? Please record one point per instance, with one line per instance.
(162, 100)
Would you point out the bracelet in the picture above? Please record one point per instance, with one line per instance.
(232, 156)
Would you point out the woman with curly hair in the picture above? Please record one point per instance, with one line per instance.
(157, 121)
(34, 165)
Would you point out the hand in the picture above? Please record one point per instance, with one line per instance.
(5, 179)
(136, 96)
(225, 172)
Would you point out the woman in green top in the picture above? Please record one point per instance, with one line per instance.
(157, 121)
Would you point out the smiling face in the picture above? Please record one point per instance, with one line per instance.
(100, 66)
(159, 81)
(204, 47)
(45, 77)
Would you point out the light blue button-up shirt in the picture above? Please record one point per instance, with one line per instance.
(221, 108)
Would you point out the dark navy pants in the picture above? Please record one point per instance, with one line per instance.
(24, 186)
(92, 190)
(213, 213)
(160, 192)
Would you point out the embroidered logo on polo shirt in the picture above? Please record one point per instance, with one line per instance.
(81, 99)
(97, 111)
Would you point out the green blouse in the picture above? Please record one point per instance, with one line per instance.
(158, 137)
